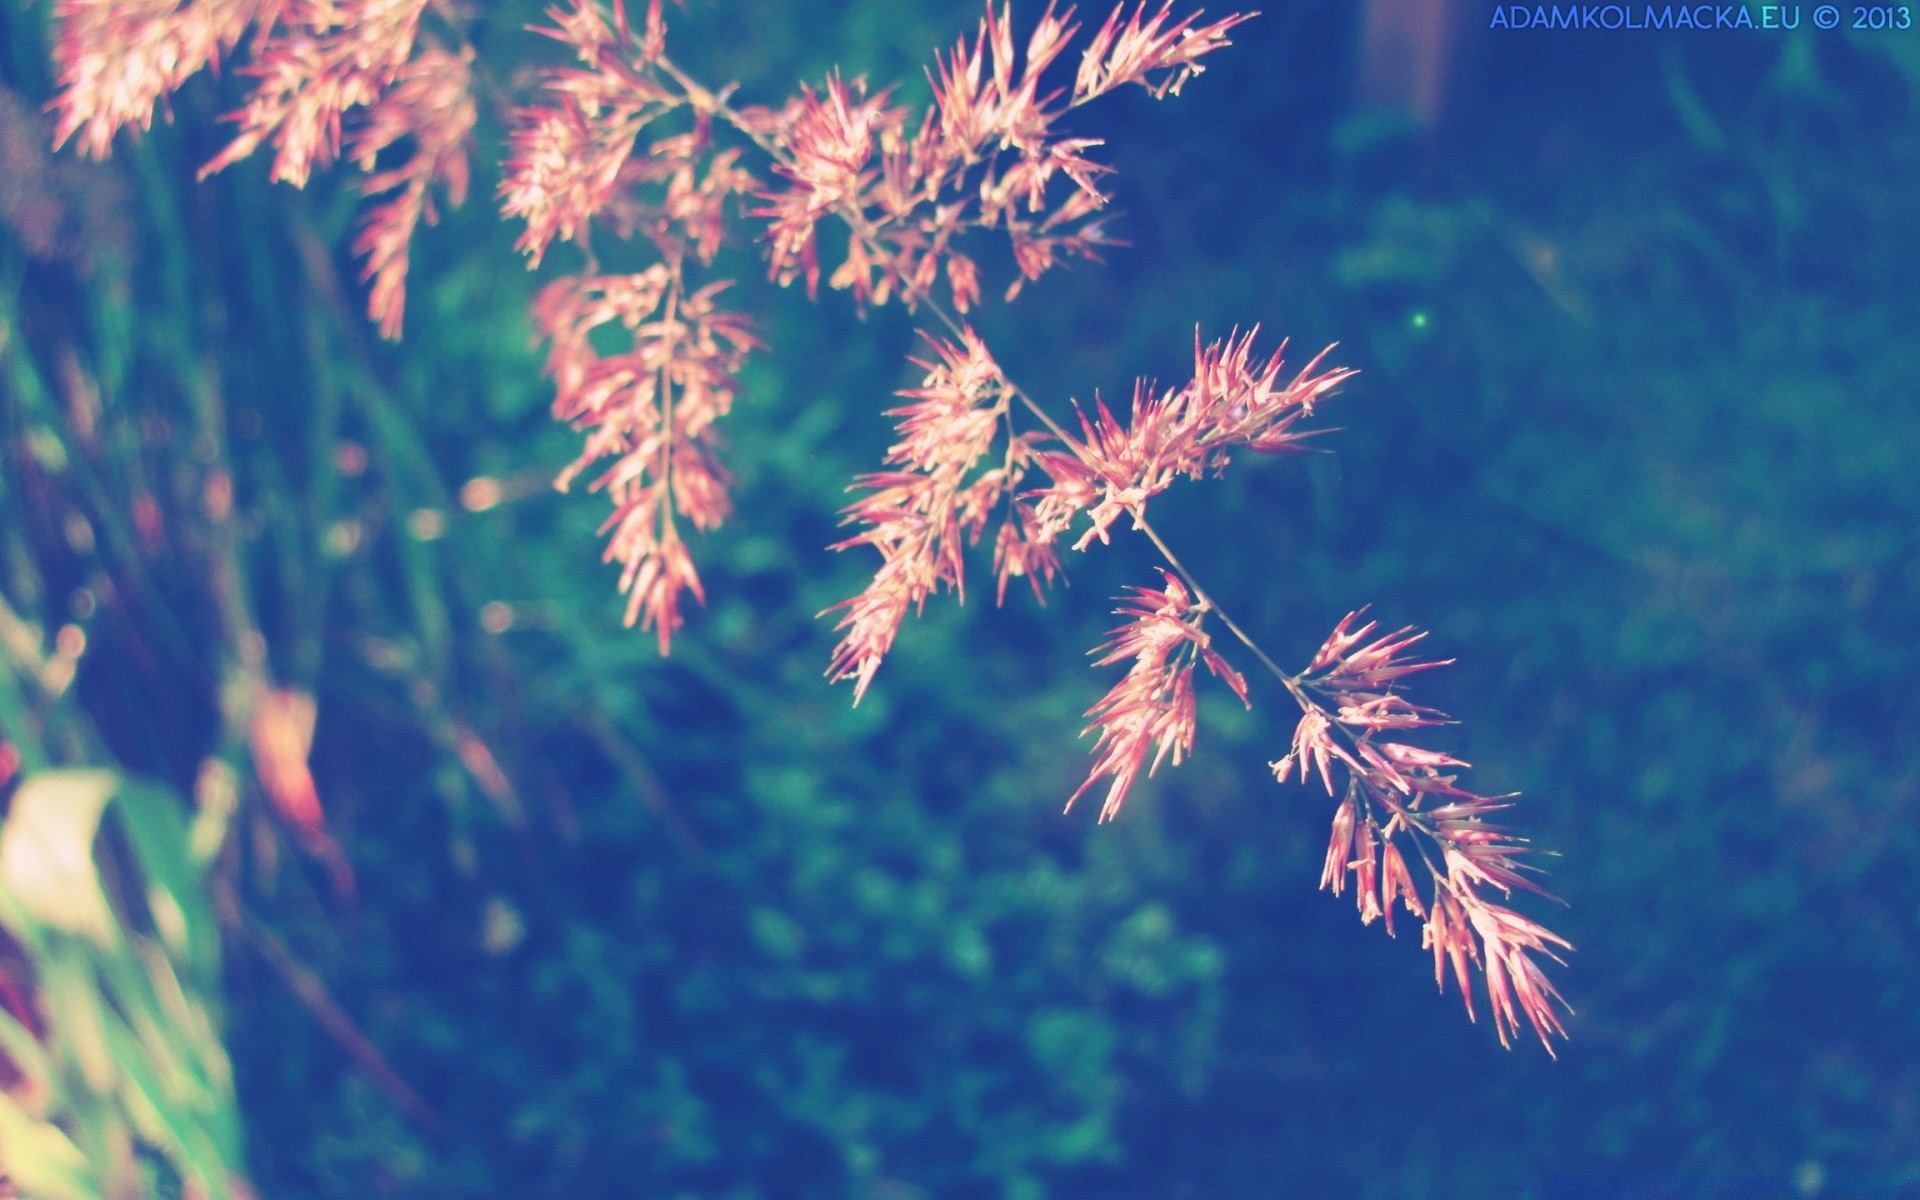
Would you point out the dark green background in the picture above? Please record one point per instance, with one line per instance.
(1634, 437)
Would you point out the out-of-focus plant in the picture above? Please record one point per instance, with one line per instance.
(119, 1083)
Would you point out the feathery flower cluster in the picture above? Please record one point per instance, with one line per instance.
(1398, 794)
(651, 408)
(316, 61)
(625, 138)
(922, 515)
(1158, 53)
(1232, 402)
(117, 59)
(572, 160)
(1153, 705)
(986, 155)
(566, 156)
(431, 102)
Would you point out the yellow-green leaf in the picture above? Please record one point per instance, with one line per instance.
(46, 852)
(40, 1160)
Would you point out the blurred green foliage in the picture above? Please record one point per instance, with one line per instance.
(132, 1058)
(1633, 438)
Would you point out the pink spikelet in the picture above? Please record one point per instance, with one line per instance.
(989, 154)
(935, 501)
(325, 58)
(317, 63)
(565, 156)
(829, 139)
(1398, 794)
(1155, 52)
(117, 59)
(431, 102)
(651, 409)
(1152, 707)
(1233, 402)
